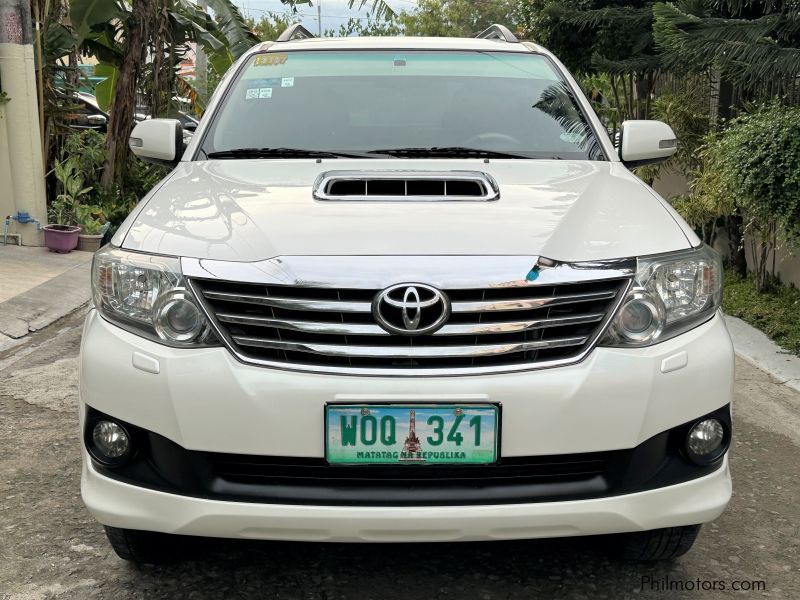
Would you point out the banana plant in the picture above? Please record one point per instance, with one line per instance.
(379, 9)
(139, 43)
(101, 26)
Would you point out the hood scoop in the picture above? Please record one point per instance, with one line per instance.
(406, 186)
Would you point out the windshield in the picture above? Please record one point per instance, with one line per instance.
(401, 103)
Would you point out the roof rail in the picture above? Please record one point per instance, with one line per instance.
(295, 32)
(497, 32)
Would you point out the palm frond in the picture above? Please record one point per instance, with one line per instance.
(746, 51)
(379, 9)
(618, 16)
(635, 64)
(233, 27)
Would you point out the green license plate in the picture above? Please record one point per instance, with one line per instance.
(411, 434)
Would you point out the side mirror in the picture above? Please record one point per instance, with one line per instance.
(646, 142)
(158, 141)
(96, 120)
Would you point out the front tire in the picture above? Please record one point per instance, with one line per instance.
(657, 544)
(141, 547)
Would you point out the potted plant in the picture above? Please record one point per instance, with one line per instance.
(90, 219)
(61, 234)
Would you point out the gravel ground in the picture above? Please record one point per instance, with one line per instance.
(51, 548)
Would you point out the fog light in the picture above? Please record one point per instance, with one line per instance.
(704, 443)
(111, 442)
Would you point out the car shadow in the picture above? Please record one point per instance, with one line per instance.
(554, 568)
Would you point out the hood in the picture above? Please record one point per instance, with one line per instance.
(250, 210)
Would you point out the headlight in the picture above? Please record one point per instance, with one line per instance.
(671, 294)
(147, 293)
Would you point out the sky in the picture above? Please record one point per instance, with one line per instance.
(334, 12)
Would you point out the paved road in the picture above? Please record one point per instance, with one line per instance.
(51, 548)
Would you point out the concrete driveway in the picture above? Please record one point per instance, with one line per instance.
(51, 548)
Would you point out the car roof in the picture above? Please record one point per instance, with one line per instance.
(398, 43)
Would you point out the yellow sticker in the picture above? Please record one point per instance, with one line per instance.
(269, 60)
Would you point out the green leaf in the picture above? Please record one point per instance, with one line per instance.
(233, 27)
(58, 42)
(104, 91)
(379, 9)
(105, 45)
(187, 89)
(85, 14)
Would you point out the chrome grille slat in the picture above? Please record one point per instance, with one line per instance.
(305, 326)
(516, 326)
(491, 328)
(408, 351)
(529, 303)
(366, 307)
(370, 329)
(292, 303)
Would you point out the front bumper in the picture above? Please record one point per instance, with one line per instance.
(122, 505)
(205, 401)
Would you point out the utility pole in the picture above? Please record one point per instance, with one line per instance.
(21, 165)
(319, 18)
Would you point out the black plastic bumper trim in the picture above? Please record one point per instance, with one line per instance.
(163, 465)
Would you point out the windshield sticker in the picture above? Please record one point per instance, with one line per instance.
(287, 82)
(259, 92)
(265, 82)
(269, 60)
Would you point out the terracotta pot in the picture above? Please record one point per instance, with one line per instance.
(89, 243)
(61, 238)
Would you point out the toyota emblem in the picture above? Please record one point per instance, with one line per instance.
(411, 309)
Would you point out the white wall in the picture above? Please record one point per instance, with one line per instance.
(21, 169)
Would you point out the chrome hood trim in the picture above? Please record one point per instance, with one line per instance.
(376, 272)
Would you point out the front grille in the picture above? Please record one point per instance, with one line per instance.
(275, 470)
(488, 327)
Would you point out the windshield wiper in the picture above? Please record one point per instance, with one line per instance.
(284, 153)
(448, 152)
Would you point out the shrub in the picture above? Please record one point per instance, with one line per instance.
(753, 167)
(118, 200)
(87, 149)
(63, 210)
(760, 158)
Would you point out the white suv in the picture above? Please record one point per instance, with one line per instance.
(404, 290)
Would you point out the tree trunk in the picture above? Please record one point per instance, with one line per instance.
(762, 280)
(733, 227)
(120, 122)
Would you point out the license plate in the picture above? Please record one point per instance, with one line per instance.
(411, 434)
